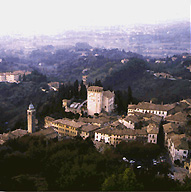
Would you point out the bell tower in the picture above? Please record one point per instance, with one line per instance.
(31, 112)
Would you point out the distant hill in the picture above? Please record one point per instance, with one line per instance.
(146, 86)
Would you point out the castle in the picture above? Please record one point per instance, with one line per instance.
(98, 100)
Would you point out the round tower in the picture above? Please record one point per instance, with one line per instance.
(31, 112)
(94, 99)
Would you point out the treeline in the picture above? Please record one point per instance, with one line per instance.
(33, 163)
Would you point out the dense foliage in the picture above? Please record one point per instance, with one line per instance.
(34, 163)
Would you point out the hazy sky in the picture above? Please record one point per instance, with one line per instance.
(52, 16)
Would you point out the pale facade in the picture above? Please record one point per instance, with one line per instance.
(108, 101)
(114, 136)
(178, 147)
(152, 131)
(156, 109)
(12, 78)
(2, 77)
(129, 121)
(95, 99)
(31, 112)
(98, 100)
(152, 138)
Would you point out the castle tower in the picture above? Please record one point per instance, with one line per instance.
(31, 118)
(94, 99)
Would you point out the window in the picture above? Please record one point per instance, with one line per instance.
(184, 157)
(153, 136)
(184, 152)
(154, 141)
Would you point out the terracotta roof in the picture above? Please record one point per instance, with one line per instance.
(48, 133)
(13, 135)
(89, 127)
(180, 141)
(152, 128)
(180, 117)
(188, 101)
(19, 132)
(108, 94)
(170, 127)
(152, 106)
(76, 124)
(116, 131)
(132, 118)
(49, 118)
(99, 120)
(93, 88)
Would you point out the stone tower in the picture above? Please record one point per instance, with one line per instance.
(94, 97)
(31, 112)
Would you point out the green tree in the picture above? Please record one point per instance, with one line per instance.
(129, 95)
(160, 136)
(83, 91)
(76, 85)
(125, 181)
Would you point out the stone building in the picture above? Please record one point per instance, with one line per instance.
(178, 147)
(98, 100)
(146, 107)
(31, 113)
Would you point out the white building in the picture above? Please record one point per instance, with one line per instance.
(178, 147)
(114, 134)
(152, 131)
(108, 101)
(129, 121)
(97, 99)
(12, 78)
(145, 107)
(2, 77)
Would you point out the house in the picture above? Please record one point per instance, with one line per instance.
(12, 135)
(100, 121)
(48, 121)
(88, 130)
(152, 130)
(180, 118)
(146, 107)
(67, 127)
(54, 86)
(178, 147)
(170, 128)
(108, 101)
(130, 121)
(113, 134)
(49, 133)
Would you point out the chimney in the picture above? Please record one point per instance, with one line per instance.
(151, 101)
(162, 103)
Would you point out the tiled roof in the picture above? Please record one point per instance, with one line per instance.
(152, 106)
(13, 135)
(170, 127)
(89, 127)
(108, 94)
(180, 141)
(115, 131)
(152, 128)
(48, 133)
(93, 88)
(69, 122)
(132, 118)
(180, 116)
